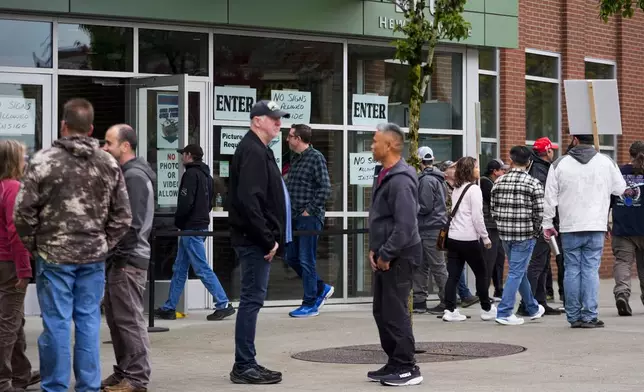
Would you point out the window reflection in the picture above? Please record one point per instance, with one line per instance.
(102, 48)
(25, 44)
(173, 52)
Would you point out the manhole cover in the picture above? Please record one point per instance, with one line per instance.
(433, 352)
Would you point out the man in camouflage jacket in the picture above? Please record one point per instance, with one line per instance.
(71, 209)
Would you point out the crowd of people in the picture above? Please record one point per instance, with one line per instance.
(83, 213)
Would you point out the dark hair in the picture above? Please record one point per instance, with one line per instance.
(520, 155)
(464, 171)
(303, 132)
(636, 152)
(585, 139)
(127, 134)
(78, 115)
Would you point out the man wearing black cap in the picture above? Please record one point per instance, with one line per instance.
(495, 256)
(260, 224)
(193, 214)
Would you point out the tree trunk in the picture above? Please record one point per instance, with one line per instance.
(414, 114)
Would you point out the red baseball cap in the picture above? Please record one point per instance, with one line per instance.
(544, 144)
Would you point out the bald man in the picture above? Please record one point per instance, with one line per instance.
(127, 266)
(395, 251)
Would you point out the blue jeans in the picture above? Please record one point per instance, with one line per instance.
(463, 291)
(301, 255)
(192, 252)
(254, 285)
(582, 257)
(519, 254)
(69, 292)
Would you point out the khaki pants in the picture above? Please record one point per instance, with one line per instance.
(15, 368)
(626, 251)
(124, 313)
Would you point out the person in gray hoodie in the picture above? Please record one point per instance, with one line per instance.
(395, 250)
(127, 266)
(432, 216)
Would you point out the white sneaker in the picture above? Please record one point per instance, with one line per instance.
(489, 315)
(512, 320)
(453, 316)
(539, 313)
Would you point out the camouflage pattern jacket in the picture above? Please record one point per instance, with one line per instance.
(73, 205)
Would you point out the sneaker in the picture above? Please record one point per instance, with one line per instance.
(270, 373)
(437, 310)
(539, 314)
(377, 375)
(124, 386)
(623, 308)
(326, 294)
(551, 311)
(512, 320)
(253, 375)
(489, 315)
(594, 323)
(304, 311)
(403, 378)
(164, 314)
(496, 299)
(34, 379)
(110, 381)
(469, 301)
(221, 314)
(453, 316)
(420, 307)
(576, 324)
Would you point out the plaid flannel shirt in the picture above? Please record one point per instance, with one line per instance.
(308, 183)
(517, 206)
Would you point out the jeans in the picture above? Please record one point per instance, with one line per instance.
(463, 291)
(301, 254)
(582, 257)
(254, 285)
(192, 252)
(519, 253)
(69, 292)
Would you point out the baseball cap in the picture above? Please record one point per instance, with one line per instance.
(268, 108)
(496, 164)
(192, 149)
(425, 154)
(544, 144)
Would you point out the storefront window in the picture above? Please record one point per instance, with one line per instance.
(379, 89)
(304, 77)
(100, 48)
(25, 44)
(21, 106)
(173, 52)
(542, 96)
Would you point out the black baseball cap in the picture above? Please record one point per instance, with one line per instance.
(268, 108)
(193, 149)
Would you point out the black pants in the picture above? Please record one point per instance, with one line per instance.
(391, 291)
(538, 270)
(459, 253)
(494, 261)
(560, 268)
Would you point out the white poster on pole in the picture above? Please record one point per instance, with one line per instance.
(17, 116)
(361, 168)
(167, 121)
(234, 103)
(295, 103)
(230, 137)
(369, 109)
(167, 178)
(606, 101)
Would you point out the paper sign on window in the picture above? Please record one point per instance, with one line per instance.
(17, 116)
(234, 103)
(369, 110)
(296, 103)
(361, 168)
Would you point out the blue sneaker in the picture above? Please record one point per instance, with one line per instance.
(304, 311)
(326, 294)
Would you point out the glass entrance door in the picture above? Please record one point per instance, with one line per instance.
(168, 114)
(25, 115)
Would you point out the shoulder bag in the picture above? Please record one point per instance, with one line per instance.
(441, 243)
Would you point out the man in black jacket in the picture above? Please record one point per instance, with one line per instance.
(193, 214)
(260, 223)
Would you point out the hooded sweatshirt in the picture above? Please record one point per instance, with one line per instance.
(581, 183)
(393, 223)
(11, 248)
(134, 247)
(73, 205)
(432, 195)
(195, 197)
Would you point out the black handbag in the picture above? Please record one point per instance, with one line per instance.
(441, 242)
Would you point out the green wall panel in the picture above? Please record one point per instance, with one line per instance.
(36, 5)
(502, 7)
(501, 31)
(202, 11)
(380, 19)
(475, 5)
(332, 16)
(477, 22)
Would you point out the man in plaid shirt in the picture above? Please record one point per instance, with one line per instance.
(517, 207)
(309, 186)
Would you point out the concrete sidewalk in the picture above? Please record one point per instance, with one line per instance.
(197, 355)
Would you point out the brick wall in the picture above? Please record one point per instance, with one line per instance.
(573, 29)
